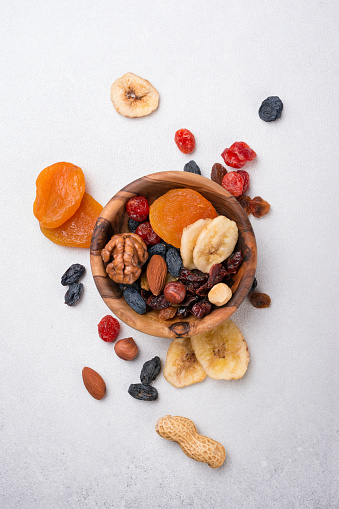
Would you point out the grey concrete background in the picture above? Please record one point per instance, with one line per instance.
(213, 63)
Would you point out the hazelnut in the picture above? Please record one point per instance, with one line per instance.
(175, 292)
(126, 349)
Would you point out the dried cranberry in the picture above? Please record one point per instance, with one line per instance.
(238, 154)
(108, 328)
(193, 275)
(137, 208)
(234, 261)
(189, 301)
(245, 202)
(148, 235)
(216, 274)
(260, 300)
(218, 172)
(243, 151)
(185, 141)
(193, 287)
(233, 183)
(201, 309)
(158, 302)
(246, 179)
(259, 207)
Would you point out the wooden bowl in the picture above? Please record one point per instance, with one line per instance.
(113, 219)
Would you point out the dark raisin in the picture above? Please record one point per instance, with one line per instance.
(159, 249)
(73, 274)
(254, 285)
(135, 301)
(150, 370)
(245, 202)
(218, 172)
(271, 109)
(73, 294)
(168, 313)
(260, 300)
(233, 262)
(193, 275)
(194, 287)
(132, 225)
(192, 167)
(259, 207)
(183, 312)
(143, 392)
(135, 285)
(201, 309)
(174, 262)
(158, 302)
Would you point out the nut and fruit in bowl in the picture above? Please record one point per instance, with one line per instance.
(179, 257)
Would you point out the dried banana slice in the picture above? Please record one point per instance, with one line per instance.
(182, 367)
(222, 352)
(133, 96)
(188, 241)
(215, 243)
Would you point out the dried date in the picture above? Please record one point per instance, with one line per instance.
(73, 274)
(73, 294)
(150, 370)
(143, 392)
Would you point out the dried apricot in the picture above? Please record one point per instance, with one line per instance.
(77, 231)
(59, 191)
(175, 210)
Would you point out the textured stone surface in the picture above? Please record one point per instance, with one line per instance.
(213, 65)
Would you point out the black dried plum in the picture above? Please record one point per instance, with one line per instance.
(150, 370)
(135, 301)
(73, 294)
(159, 249)
(192, 167)
(174, 262)
(271, 109)
(143, 392)
(132, 225)
(73, 274)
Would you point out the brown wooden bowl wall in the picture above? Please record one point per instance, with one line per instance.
(113, 219)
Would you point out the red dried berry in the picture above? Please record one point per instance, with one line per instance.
(259, 207)
(245, 202)
(246, 179)
(148, 235)
(201, 309)
(242, 151)
(137, 208)
(238, 154)
(108, 328)
(185, 141)
(233, 183)
(218, 172)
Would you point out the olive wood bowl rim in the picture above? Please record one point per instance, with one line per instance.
(111, 219)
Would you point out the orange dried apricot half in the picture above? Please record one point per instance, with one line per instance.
(59, 191)
(175, 210)
(77, 231)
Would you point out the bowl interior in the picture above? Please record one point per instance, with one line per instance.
(113, 220)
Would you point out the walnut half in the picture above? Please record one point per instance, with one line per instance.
(126, 253)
